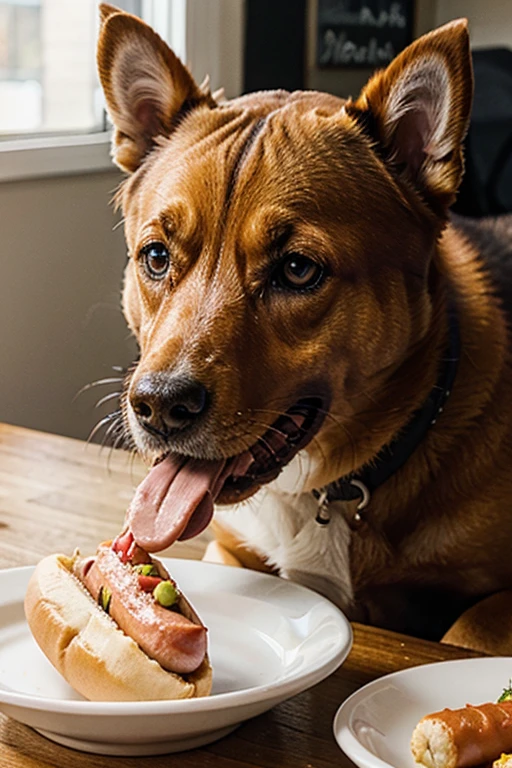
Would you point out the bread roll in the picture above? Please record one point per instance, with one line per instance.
(462, 738)
(88, 648)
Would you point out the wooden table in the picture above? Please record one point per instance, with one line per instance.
(56, 493)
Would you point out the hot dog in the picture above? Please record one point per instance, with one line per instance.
(117, 627)
(461, 738)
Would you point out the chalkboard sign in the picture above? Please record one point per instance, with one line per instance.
(362, 33)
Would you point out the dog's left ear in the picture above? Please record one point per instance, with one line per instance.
(146, 86)
(418, 111)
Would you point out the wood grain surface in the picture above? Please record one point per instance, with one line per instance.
(57, 494)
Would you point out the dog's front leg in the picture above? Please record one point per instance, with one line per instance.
(228, 549)
(486, 627)
(215, 552)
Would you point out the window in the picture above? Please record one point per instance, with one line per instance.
(48, 81)
(52, 118)
(20, 65)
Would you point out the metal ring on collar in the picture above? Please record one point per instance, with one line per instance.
(366, 496)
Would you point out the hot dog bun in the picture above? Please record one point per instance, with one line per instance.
(89, 650)
(471, 736)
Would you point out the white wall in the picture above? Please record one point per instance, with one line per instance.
(60, 321)
(490, 21)
(215, 40)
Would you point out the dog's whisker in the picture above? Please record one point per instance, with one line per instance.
(328, 414)
(245, 440)
(372, 399)
(268, 446)
(106, 398)
(98, 383)
(118, 442)
(269, 427)
(101, 382)
(119, 224)
(132, 455)
(318, 445)
(315, 440)
(113, 438)
(105, 420)
(115, 427)
(121, 438)
(348, 434)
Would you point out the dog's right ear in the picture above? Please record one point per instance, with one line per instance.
(146, 86)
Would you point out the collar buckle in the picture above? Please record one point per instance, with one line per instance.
(355, 518)
(356, 492)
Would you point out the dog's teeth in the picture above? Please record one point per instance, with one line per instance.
(259, 452)
(273, 449)
(242, 464)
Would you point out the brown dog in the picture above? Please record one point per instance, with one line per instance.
(301, 301)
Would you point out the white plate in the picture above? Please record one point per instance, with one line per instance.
(269, 639)
(374, 726)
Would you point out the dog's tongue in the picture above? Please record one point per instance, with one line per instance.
(175, 501)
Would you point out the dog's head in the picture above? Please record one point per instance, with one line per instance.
(280, 248)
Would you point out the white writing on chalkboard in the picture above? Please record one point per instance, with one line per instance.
(338, 49)
(365, 17)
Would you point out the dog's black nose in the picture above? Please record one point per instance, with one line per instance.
(164, 403)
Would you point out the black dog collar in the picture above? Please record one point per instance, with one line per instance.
(359, 486)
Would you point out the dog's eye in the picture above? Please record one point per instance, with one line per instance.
(155, 258)
(297, 272)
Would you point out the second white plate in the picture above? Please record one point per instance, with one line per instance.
(269, 639)
(374, 726)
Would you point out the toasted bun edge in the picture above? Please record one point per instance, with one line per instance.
(89, 650)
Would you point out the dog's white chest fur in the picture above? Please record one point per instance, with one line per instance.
(281, 526)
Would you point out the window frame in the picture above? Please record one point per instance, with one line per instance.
(186, 25)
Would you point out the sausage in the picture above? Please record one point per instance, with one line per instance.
(462, 738)
(177, 643)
